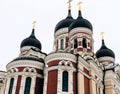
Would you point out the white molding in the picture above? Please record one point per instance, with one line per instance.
(24, 63)
(61, 31)
(60, 56)
(106, 59)
(79, 30)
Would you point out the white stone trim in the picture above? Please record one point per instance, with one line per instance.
(60, 56)
(33, 83)
(70, 70)
(80, 29)
(45, 81)
(61, 31)
(7, 85)
(15, 84)
(106, 59)
(59, 43)
(24, 63)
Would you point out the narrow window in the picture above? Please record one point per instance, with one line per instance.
(27, 85)
(65, 81)
(84, 43)
(75, 43)
(61, 44)
(11, 86)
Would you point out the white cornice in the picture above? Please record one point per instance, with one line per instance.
(80, 29)
(61, 31)
(25, 63)
(60, 56)
(106, 59)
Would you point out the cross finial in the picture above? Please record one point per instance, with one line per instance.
(34, 22)
(102, 35)
(69, 4)
(79, 5)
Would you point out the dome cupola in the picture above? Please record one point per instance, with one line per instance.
(31, 41)
(80, 21)
(65, 22)
(104, 51)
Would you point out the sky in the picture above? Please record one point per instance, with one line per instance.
(16, 17)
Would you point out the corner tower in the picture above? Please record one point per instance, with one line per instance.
(25, 73)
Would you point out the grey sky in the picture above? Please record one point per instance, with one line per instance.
(16, 17)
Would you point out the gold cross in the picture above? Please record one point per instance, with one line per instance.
(102, 35)
(79, 5)
(34, 22)
(69, 4)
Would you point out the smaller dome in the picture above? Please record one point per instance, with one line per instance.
(65, 22)
(80, 22)
(31, 41)
(104, 51)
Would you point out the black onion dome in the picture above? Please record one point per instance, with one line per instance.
(104, 51)
(80, 22)
(65, 22)
(31, 41)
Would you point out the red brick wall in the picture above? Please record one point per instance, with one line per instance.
(86, 85)
(67, 40)
(52, 82)
(53, 63)
(18, 84)
(86, 82)
(74, 83)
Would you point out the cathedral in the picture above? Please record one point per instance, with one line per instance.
(72, 67)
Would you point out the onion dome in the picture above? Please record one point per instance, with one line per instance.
(65, 22)
(31, 41)
(104, 51)
(80, 22)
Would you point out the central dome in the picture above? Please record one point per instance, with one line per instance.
(65, 22)
(31, 41)
(80, 22)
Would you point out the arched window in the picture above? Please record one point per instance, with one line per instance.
(65, 81)
(11, 86)
(84, 43)
(27, 85)
(75, 43)
(62, 44)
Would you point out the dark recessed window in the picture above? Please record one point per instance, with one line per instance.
(61, 44)
(75, 43)
(65, 81)
(11, 86)
(84, 43)
(27, 85)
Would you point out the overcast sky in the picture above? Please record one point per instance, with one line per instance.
(16, 17)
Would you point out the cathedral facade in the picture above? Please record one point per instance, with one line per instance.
(71, 68)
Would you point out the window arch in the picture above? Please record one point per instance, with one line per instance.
(27, 85)
(11, 86)
(65, 81)
(75, 43)
(84, 43)
(62, 44)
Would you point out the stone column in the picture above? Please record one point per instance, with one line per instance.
(32, 88)
(15, 84)
(22, 86)
(92, 84)
(80, 80)
(7, 85)
(45, 81)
